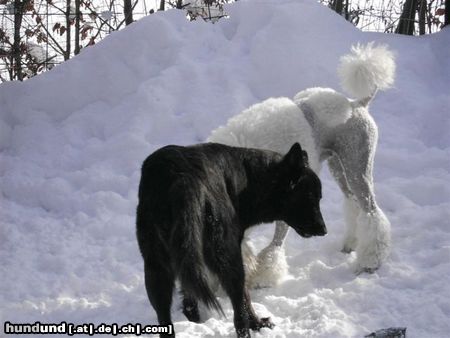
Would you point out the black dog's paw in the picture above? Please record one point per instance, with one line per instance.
(243, 333)
(266, 322)
(263, 322)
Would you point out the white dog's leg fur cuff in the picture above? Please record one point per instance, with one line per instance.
(249, 259)
(272, 267)
(374, 239)
(351, 210)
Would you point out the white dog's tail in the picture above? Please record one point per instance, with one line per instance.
(365, 70)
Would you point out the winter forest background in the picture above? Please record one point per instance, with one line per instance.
(36, 35)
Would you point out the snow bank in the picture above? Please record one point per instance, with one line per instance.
(72, 141)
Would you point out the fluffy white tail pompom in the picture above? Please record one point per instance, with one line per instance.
(366, 69)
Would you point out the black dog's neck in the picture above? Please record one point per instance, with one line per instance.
(256, 204)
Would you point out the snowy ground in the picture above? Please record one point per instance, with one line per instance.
(72, 142)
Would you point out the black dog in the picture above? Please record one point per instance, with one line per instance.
(195, 204)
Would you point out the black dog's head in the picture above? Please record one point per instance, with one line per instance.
(299, 194)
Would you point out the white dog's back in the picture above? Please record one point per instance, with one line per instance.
(330, 108)
(273, 124)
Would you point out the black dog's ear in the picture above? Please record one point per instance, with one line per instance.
(296, 158)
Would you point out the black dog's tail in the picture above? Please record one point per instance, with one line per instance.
(192, 270)
(194, 281)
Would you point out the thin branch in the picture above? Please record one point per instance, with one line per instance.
(61, 50)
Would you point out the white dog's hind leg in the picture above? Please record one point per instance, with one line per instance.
(356, 150)
(373, 227)
(272, 266)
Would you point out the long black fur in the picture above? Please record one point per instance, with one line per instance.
(195, 204)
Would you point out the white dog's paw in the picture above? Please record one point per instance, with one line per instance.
(367, 263)
(272, 267)
(349, 245)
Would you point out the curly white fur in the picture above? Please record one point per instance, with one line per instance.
(272, 267)
(249, 259)
(367, 69)
(351, 213)
(331, 108)
(374, 239)
(254, 128)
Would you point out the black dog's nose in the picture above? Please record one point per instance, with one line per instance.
(322, 232)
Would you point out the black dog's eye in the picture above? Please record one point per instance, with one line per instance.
(292, 185)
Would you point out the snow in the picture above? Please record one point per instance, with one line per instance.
(72, 141)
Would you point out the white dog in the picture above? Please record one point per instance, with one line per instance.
(330, 127)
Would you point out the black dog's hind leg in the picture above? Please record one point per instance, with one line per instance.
(234, 283)
(224, 258)
(230, 270)
(190, 308)
(159, 283)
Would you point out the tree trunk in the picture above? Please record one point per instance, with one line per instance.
(68, 35)
(162, 5)
(347, 16)
(338, 6)
(422, 16)
(447, 13)
(16, 55)
(406, 22)
(77, 27)
(128, 12)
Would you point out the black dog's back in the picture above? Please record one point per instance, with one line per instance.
(200, 169)
(200, 161)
